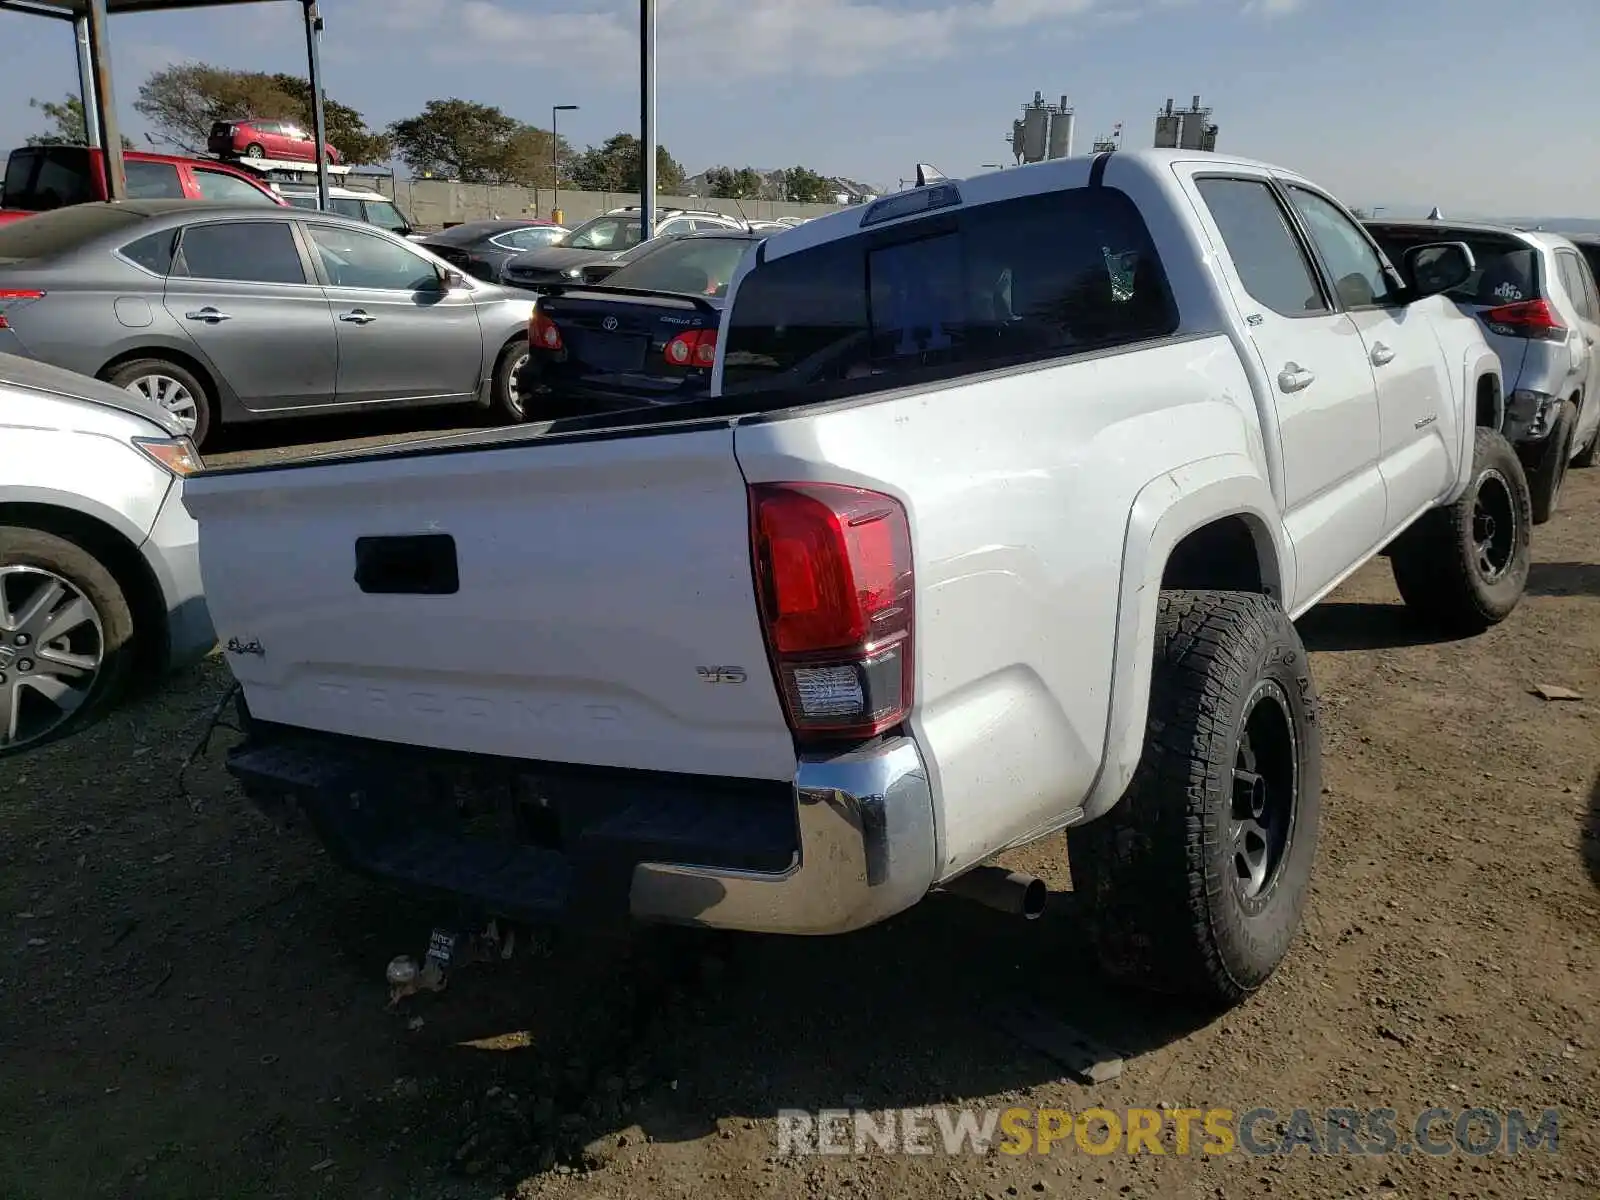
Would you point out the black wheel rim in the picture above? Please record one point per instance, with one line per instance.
(1494, 526)
(1266, 795)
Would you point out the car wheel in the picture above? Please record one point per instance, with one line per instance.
(169, 386)
(1548, 470)
(1195, 882)
(255, 150)
(66, 637)
(506, 393)
(1465, 567)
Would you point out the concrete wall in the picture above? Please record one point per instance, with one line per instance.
(432, 203)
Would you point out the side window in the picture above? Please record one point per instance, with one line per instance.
(241, 251)
(386, 216)
(1357, 270)
(358, 259)
(1572, 273)
(153, 252)
(153, 181)
(1591, 290)
(215, 185)
(346, 207)
(674, 228)
(952, 294)
(1271, 265)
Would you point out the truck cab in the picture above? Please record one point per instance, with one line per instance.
(41, 178)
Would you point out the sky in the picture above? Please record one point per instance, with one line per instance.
(1400, 103)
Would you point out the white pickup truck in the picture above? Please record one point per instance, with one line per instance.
(993, 527)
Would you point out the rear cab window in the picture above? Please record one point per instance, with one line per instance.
(48, 177)
(954, 293)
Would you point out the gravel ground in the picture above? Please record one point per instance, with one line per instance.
(192, 1004)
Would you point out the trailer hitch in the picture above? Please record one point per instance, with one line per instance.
(449, 949)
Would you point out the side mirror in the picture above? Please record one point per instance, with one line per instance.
(449, 279)
(1438, 267)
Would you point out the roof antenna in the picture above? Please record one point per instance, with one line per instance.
(927, 174)
(740, 207)
(1436, 215)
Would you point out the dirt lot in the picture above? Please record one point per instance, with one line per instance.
(192, 1005)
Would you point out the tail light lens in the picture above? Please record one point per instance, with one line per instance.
(13, 296)
(835, 585)
(1526, 319)
(696, 348)
(543, 333)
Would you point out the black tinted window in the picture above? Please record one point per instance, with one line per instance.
(951, 294)
(19, 174)
(63, 180)
(153, 252)
(247, 251)
(1271, 265)
(1507, 268)
(152, 180)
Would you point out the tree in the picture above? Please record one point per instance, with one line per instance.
(614, 166)
(458, 139)
(728, 184)
(68, 126)
(183, 102)
(806, 186)
(526, 158)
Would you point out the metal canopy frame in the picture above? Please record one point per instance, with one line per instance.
(89, 20)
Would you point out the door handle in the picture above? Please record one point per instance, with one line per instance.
(357, 317)
(1382, 356)
(1295, 378)
(209, 315)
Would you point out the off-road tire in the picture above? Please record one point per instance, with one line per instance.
(1436, 563)
(1548, 470)
(21, 546)
(1157, 873)
(503, 397)
(205, 402)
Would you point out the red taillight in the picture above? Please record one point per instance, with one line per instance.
(696, 348)
(1526, 319)
(543, 332)
(7, 295)
(835, 586)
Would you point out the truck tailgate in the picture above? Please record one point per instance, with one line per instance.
(541, 600)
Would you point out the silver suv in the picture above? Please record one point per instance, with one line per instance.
(1537, 301)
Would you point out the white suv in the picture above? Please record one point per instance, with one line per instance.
(1537, 301)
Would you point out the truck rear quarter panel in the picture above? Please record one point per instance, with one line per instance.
(1022, 489)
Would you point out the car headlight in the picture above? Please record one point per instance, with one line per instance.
(573, 272)
(176, 454)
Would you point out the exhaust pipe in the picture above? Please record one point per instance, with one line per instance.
(1008, 891)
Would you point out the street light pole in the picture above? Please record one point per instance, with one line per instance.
(555, 156)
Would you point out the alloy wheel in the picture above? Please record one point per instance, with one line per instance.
(52, 648)
(1265, 794)
(1494, 526)
(168, 393)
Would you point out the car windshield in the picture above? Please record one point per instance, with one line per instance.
(603, 233)
(64, 229)
(701, 266)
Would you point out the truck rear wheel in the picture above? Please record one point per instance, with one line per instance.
(1196, 880)
(1465, 567)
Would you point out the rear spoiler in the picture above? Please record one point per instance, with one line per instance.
(561, 289)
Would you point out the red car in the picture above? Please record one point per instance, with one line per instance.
(39, 178)
(283, 140)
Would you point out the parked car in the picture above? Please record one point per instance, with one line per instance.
(286, 141)
(99, 571)
(646, 336)
(963, 550)
(1537, 302)
(224, 314)
(482, 248)
(42, 178)
(604, 237)
(355, 203)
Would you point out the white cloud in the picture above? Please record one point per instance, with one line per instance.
(1273, 8)
(732, 38)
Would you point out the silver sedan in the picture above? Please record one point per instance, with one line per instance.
(99, 566)
(224, 314)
